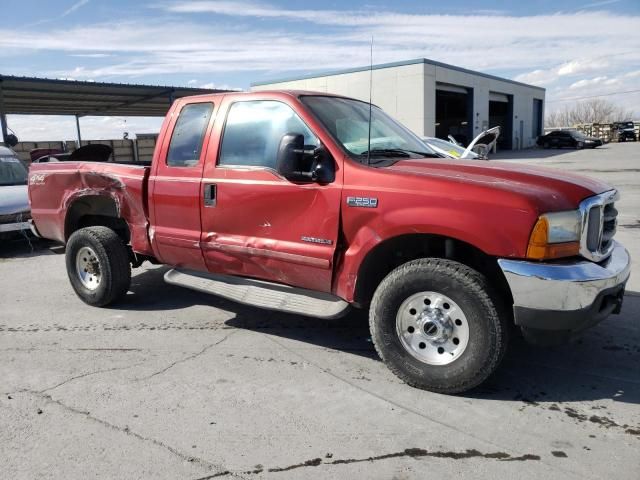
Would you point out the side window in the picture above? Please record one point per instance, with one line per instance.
(253, 132)
(188, 134)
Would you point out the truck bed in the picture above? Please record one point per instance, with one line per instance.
(54, 187)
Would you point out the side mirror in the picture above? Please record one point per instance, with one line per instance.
(290, 152)
(294, 162)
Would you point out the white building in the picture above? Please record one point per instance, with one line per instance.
(435, 99)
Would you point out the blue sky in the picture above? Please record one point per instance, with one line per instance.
(574, 49)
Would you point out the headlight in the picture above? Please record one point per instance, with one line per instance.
(555, 235)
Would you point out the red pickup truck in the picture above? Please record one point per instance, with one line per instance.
(311, 203)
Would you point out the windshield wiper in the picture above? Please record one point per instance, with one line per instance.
(396, 152)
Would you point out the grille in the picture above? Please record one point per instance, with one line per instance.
(599, 225)
(15, 217)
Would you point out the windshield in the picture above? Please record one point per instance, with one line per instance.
(578, 135)
(12, 172)
(348, 122)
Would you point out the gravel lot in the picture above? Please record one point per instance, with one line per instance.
(176, 384)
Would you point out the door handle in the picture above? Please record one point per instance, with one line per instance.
(210, 195)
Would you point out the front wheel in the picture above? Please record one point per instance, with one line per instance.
(436, 325)
(98, 265)
(579, 146)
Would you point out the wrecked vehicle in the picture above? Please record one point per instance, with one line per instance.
(311, 203)
(14, 201)
(478, 149)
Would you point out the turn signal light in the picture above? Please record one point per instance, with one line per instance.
(540, 249)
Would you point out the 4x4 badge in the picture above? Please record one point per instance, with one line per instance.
(365, 202)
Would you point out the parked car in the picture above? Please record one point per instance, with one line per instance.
(94, 152)
(54, 157)
(37, 153)
(624, 131)
(14, 202)
(568, 138)
(478, 149)
(282, 200)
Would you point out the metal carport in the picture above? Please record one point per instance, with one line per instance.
(43, 96)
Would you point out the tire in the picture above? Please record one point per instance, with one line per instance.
(579, 145)
(471, 298)
(546, 145)
(98, 265)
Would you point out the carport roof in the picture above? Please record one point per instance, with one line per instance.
(43, 96)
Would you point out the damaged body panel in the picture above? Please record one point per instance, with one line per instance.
(62, 194)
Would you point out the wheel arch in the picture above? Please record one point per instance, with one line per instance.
(397, 250)
(95, 210)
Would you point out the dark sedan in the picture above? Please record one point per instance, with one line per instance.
(568, 138)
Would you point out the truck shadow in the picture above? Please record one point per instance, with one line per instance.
(20, 246)
(602, 365)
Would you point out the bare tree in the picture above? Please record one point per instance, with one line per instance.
(596, 110)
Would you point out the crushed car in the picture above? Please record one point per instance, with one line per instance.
(478, 149)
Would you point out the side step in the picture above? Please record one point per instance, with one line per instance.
(261, 294)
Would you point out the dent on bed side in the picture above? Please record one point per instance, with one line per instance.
(121, 204)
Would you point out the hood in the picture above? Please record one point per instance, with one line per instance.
(13, 199)
(548, 189)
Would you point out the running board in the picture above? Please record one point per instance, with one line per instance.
(261, 294)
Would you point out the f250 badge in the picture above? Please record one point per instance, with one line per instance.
(365, 202)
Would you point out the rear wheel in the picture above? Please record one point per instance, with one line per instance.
(98, 265)
(546, 145)
(436, 325)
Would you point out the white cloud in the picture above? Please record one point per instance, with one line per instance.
(74, 7)
(588, 82)
(601, 3)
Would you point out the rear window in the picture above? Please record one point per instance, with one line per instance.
(188, 134)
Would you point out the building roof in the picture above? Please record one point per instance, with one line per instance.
(391, 65)
(43, 96)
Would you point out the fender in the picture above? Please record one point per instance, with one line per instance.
(483, 233)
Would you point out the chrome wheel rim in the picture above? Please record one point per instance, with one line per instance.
(88, 268)
(432, 328)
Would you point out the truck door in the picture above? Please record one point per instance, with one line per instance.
(174, 185)
(256, 223)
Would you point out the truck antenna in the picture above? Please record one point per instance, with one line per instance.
(370, 89)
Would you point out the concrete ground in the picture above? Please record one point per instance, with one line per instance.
(175, 384)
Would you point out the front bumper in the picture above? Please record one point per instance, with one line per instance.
(566, 297)
(14, 227)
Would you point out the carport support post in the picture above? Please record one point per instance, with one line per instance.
(78, 131)
(3, 116)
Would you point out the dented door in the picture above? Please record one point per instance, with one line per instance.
(256, 223)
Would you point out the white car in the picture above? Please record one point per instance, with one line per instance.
(14, 201)
(477, 150)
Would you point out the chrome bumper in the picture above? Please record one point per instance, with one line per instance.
(14, 227)
(565, 286)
